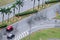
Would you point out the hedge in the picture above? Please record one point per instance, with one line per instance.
(3, 25)
(47, 2)
(26, 13)
(20, 14)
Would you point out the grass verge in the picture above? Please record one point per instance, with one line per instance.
(57, 16)
(44, 34)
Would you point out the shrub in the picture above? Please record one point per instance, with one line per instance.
(26, 13)
(3, 25)
(54, 1)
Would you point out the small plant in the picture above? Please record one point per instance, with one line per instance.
(3, 25)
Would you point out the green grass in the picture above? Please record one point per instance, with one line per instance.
(57, 17)
(4, 2)
(44, 34)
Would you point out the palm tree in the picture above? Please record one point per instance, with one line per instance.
(14, 7)
(2, 10)
(19, 3)
(43, 2)
(33, 3)
(8, 11)
(38, 3)
(22, 0)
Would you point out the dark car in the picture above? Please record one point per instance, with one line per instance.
(9, 28)
(10, 36)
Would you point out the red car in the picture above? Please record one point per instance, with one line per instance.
(9, 28)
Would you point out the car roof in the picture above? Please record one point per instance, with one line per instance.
(9, 34)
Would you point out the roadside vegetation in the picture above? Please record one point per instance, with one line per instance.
(22, 15)
(19, 16)
(57, 16)
(52, 1)
(44, 34)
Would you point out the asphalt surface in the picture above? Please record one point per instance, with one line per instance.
(37, 21)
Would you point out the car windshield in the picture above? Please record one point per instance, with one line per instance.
(9, 35)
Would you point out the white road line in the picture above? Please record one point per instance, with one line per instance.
(22, 35)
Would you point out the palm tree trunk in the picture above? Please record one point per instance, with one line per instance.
(8, 17)
(33, 5)
(13, 13)
(3, 18)
(42, 3)
(19, 8)
(38, 3)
